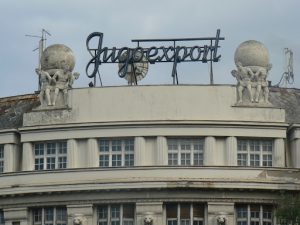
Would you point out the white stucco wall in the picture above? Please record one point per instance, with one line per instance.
(154, 103)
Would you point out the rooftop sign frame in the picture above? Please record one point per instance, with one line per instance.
(173, 53)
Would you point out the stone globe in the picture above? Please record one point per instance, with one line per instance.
(57, 56)
(252, 54)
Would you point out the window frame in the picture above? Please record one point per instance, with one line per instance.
(51, 156)
(192, 219)
(42, 216)
(249, 218)
(1, 158)
(177, 148)
(115, 151)
(109, 218)
(255, 152)
(2, 219)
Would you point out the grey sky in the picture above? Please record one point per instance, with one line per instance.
(273, 22)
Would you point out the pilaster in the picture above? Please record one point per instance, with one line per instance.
(209, 151)
(295, 154)
(92, 151)
(27, 157)
(11, 158)
(153, 210)
(13, 215)
(161, 151)
(279, 153)
(139, 151)
(81, 213)
(231, 151)
(72, 153)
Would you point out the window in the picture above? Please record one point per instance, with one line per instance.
(1, 158)
(185, 213)
(51, 155)
(254, 153)
(116, 214)
(2, 222)
(116, 152)
(185, 152)
(254, 215)
(50, 216)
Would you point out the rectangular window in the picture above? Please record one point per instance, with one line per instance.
(50, 155)
(116, 214)
(185, 152)
(254, 153)
(1, 158)
(116, 152)
(50, 216)
(185, 213)
(2, 222)
(254, 215)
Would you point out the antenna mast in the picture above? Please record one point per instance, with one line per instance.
(287, 77)
(41, 47)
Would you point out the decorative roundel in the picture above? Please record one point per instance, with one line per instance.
(139, 67)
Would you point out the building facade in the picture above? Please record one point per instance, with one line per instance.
(161, 155)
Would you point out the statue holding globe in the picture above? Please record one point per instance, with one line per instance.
(56, 76)
(252, 62)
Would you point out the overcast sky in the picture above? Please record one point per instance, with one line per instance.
(272, 22)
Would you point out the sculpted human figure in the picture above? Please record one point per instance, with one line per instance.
(262, 84)
(46, 80)
(62, 83)
(244, 76)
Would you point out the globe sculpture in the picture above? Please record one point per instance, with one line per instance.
(55, 75)
(252, 54)
(57, 57)
(253, 65)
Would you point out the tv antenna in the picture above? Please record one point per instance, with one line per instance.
(41, 47)
(287, 77)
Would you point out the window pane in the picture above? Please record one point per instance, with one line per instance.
(102, 212)
(185, 159)
(128, 211)
(198, 210)
(39, 149)
(199, 145)
(129, 160)
(198, 159)
(254, 160)
(242, 159)
(242, 145)
(254, 145)
(39, 164)
(104, 145)
(1, 152)
(185, 144)
(115, 211)
(62, 147)
(104, 160)
(184, 211)
(173, 159)
(171, 210)
(172, 144)
(51, 148)
(61, 214)
(116, 145)
(62, 162)
(1, 166)
(129, 145)
(50, 163)
(116, 160)
(37, 215)
(49, 215)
